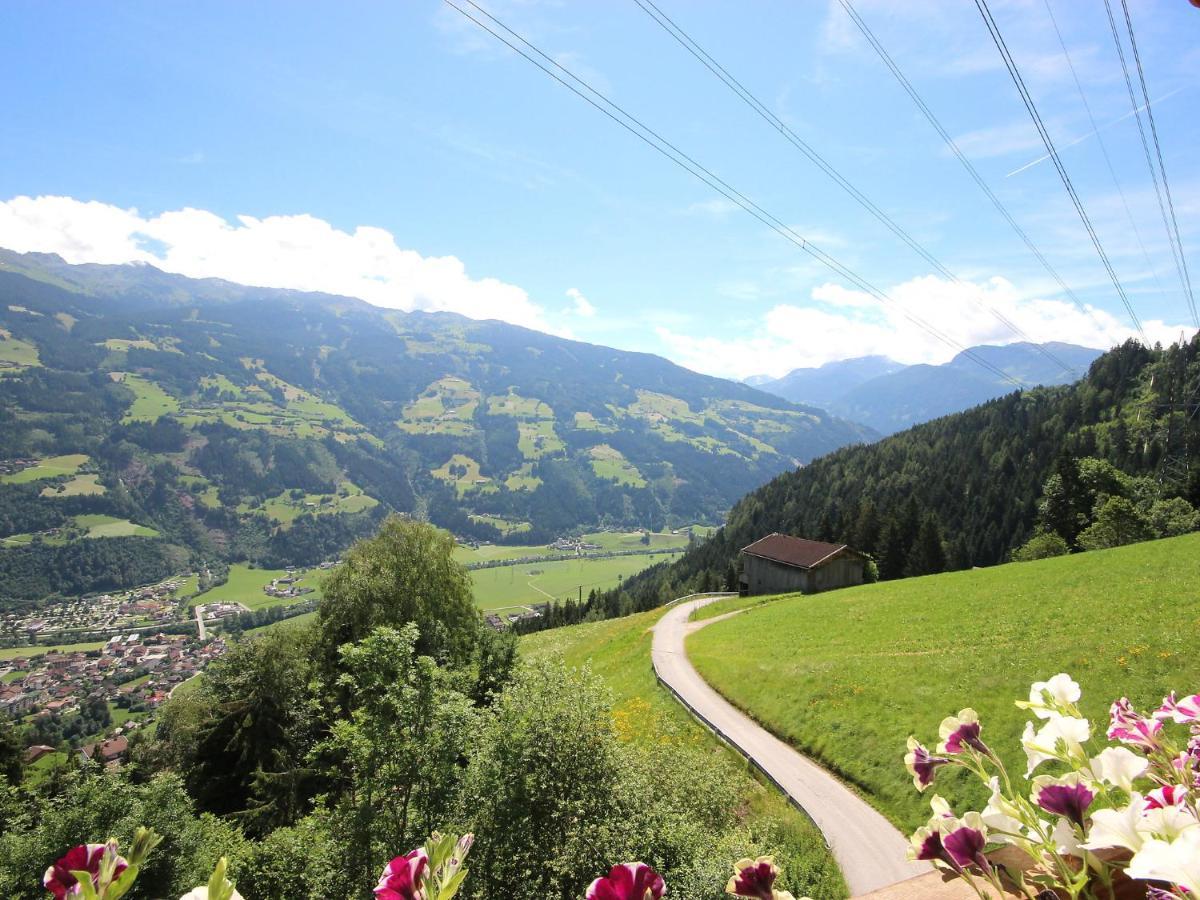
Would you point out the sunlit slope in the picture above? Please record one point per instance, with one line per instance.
(847, 676)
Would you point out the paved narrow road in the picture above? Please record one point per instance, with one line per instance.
(868, 848)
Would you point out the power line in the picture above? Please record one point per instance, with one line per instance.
(1027, 98)
(1103, 147)
(688, 43)
(933, 120)
(1185, 280)
(653, 139)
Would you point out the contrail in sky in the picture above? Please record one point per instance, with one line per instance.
(1080, 140)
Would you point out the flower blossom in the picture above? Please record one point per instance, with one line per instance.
(922, 764)
(966, 841)
(1000, 815)
(1066, 797)
(1048, 699)
(926, 845)
(1183, 712)
(754, 878)
(402, 877)
(629, 881)
(1060, 738)
(1118, 828)
(201, 893)
(960, 732)
(58, 879)
(1118, 766)
(1129, 726)
(1168, 795)
(1176, 862)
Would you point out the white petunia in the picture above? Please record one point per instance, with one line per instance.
(1117, 827)
(1047, 699)
(1118, 766)
(1175, 862)
(1060, 738)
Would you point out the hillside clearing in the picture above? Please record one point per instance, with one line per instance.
(847, 676)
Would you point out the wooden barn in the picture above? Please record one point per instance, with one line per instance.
(780, 563)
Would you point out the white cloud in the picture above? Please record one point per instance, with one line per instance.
(582, 306)
(842, 323)
(298, 251)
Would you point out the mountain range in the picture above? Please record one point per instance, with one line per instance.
(197, 421)
(889, 396)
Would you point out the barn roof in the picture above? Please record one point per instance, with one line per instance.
(794, 551)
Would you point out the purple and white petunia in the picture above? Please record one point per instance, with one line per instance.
(1129, 726)
(403, 877)
(1183, 712)
(960, 732)
(628, 881)
(1067, 797)
(965, 843)
(58, 879)
(754, 878)
(922, 764)
(1170, 795)
(926, 845)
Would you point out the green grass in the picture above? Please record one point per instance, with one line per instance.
(79, 486)
(98, 526)
(464, 482)
(14, 652)
(610, 463)
(15, 675)
(537, 582)
(245, 586)
(151, 400)
(520, 407)
(523, 479)
(618, 650)
(15, 352)
(846, 676)
(538, 438)
(285, 510)
(50, 467)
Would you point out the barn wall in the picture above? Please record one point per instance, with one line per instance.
(762, 576)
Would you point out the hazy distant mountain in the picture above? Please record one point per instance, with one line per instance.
(890, 397)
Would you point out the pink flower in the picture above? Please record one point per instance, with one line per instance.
(753, 878)
(58, 879)
(1167, 796)
(1183, 711)
(401, 878)
(628, 881)
(1129, 726)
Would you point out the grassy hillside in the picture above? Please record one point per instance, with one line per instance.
(619, 651)
(847, 676)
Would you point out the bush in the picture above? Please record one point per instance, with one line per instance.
(1041, 546)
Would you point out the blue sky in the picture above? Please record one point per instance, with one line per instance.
(395, 152)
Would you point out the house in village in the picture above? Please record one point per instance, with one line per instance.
(780, 563)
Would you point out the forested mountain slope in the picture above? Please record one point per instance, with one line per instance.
(199, 422)
(964, 490)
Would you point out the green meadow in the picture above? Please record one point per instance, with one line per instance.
(618, 650)
(847, 676)
(150, 402)
(16, 652)
(245, 586)
(50, 467)
(528, 583)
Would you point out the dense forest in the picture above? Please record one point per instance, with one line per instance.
(1110, 459)
(199, 423)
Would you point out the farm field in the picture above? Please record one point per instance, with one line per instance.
(606, 540)
(151, 401)
(537, 582)
(618, 650)
(51, 467)
(847, 676)
(79, 486)
(14, 652)
(245, 586)
(98, 526)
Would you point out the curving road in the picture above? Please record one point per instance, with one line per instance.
(868, 848)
